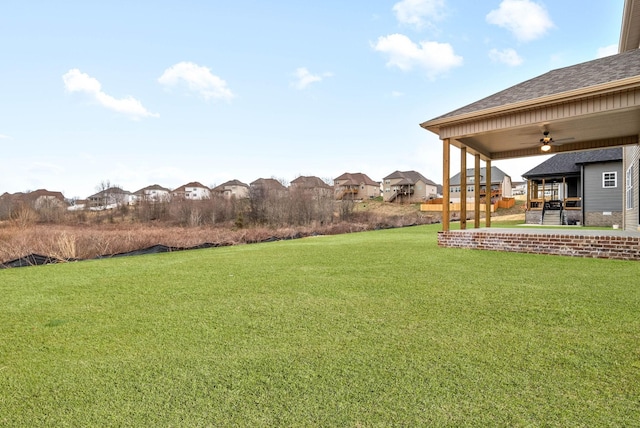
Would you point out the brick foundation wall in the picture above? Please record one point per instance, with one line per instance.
(599, 219)
(605, 247)
(572, 216)
(533, 217)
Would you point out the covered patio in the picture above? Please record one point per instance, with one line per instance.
(592, 105)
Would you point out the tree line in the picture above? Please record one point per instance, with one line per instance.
(262, 207)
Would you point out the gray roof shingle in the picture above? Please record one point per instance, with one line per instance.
(497, 175)
(579, 76)
(409, 177)
(569, 163)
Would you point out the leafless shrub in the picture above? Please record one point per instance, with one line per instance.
(97, 236)
(23, 216)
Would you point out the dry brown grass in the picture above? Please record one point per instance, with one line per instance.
(90, 240)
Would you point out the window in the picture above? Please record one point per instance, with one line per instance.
(629, 188)
(609, 179)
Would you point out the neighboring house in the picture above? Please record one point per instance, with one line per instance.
(42, 198)
(408, 186)
(232, 189)
(519, 188)
(629, 42)
(311, 185)
(153, 193)
(356, 186)
(192, 191)
(110, 198)
(39, 200)
(268, 185)
(501, 185)
(577, 188)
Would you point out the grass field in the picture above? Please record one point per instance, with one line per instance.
(366, 329)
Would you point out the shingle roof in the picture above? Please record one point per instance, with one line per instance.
(223, 186)
(152, 187)
(356, 178)
(110, 191)
(310, 182)
(409, 177)
(579, 76)
(497, 175)
(569, 163)
(268, 183)
(191, 184)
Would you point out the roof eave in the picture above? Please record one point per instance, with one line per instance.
(434, 125)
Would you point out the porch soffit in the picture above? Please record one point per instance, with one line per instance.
(594, 121)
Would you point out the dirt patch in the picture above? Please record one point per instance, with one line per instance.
(508, 217)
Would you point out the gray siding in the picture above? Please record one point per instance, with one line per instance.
(598, 198)
(632, 216)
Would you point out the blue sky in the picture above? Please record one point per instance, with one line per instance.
(167, 92)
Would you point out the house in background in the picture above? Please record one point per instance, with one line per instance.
(153, 193)
(355, 186)
(576, 188)
(267, 186)
(40, 200)
(518, 188)
(501, 185)
(408, 186)
(110, 198)
(311, 185)
(193, 191)
(43, 199)
(232, 189)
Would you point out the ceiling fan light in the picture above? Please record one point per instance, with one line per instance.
(545, 147)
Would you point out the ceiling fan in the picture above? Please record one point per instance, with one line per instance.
(547, 141)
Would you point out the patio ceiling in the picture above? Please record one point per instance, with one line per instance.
(577, 133)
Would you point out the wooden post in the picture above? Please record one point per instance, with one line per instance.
(463, 187)
(446, 196)
(487, 216)
(476, 202)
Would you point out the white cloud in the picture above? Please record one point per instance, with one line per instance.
(526, 19)
(4, 137)
(396, 94)
(304, 78)
(607, 51)
(419, 12)
(506, 56)
(435, 58)
(76, 81)
(198, 79)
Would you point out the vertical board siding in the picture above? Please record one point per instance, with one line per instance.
(561, 110)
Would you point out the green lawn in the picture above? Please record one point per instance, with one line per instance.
(368, 329)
